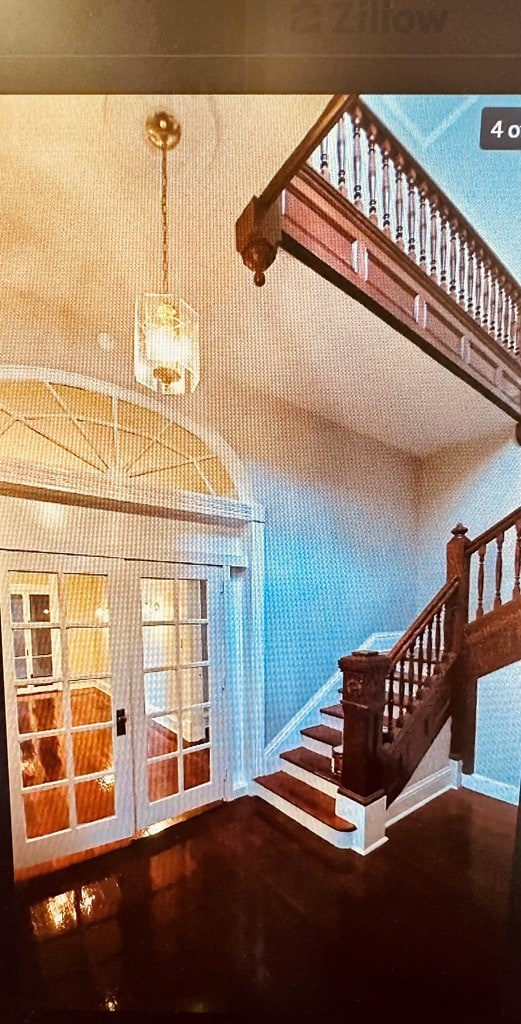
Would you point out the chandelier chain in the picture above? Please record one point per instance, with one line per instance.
(164, 218)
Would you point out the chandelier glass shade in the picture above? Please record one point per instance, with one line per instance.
(166, 330)
(166, 355)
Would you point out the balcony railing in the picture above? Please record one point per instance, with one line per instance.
(370, 168)
(352, 203)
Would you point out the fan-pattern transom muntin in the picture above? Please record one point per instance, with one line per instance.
(69, 428)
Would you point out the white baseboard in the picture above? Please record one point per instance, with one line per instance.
(420, 793)
(491, 787)
(243, 789)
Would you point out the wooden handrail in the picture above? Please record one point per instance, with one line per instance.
(403, 644)
(492, 532)
(332, 113)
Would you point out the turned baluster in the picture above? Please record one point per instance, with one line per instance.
(428, 653)
(399, 204)
(443, 251)
(492, 311)
(481, 579)
(401, 694)
(437, 639)
(419, 693)
(516, 593)
(434, 237)
(499, 568)
(500, 310)
(517, 329)
(479, 268)
(411, 215)
(470, 280)
(390, 703)
(324, 158)
(513, 324)
(453, 256)
(371, 174)
(507, 318)
(357, 164)
(486, 296)
(411, 680)
(341, 148)
(423, 229)
(386, 190)
(462, 254)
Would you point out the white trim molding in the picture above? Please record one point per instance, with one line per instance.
(419, 793)
(491, 787)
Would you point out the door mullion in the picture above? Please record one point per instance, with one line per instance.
(66, 700)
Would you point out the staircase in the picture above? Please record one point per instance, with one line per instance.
(306, 785)
(365, 749)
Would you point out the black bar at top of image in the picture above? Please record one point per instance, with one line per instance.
(260, 46)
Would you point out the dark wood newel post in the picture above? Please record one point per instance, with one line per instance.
(457, 607)
(464, 689)
(363, 701)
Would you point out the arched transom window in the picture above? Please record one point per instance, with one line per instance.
(76, 430)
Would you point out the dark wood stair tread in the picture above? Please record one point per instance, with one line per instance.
(324, 734)
(307, 759)
(335, 711)
(312, 801)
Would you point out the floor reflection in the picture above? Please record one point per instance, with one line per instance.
(237, 911)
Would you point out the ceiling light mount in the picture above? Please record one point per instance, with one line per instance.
(163, 130)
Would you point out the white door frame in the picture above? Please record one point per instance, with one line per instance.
(242, 565)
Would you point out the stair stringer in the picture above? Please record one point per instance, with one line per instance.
(494, 640)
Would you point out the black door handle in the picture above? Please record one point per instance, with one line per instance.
(121, 722)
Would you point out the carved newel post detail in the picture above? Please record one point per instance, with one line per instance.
(464, 688)
(363, 700)
(457, 609)
(258, 234)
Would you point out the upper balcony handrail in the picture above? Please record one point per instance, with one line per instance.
(503, 524)
(402, 645)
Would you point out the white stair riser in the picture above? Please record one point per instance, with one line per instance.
(331, 721)
(318, 746)
(342, 840)
(330, 788)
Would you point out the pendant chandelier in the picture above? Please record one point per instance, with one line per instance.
(166, 337)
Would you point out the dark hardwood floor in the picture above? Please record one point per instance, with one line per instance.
(239, 911)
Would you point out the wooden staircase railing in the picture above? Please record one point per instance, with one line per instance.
(395, 705)
(354, 151)
(371, 168)
(354, 205)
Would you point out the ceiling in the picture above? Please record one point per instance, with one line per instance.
(80, 237)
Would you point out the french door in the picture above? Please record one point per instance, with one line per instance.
(179, 672)
(114, 676)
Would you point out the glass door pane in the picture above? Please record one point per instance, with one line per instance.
(181, 686)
